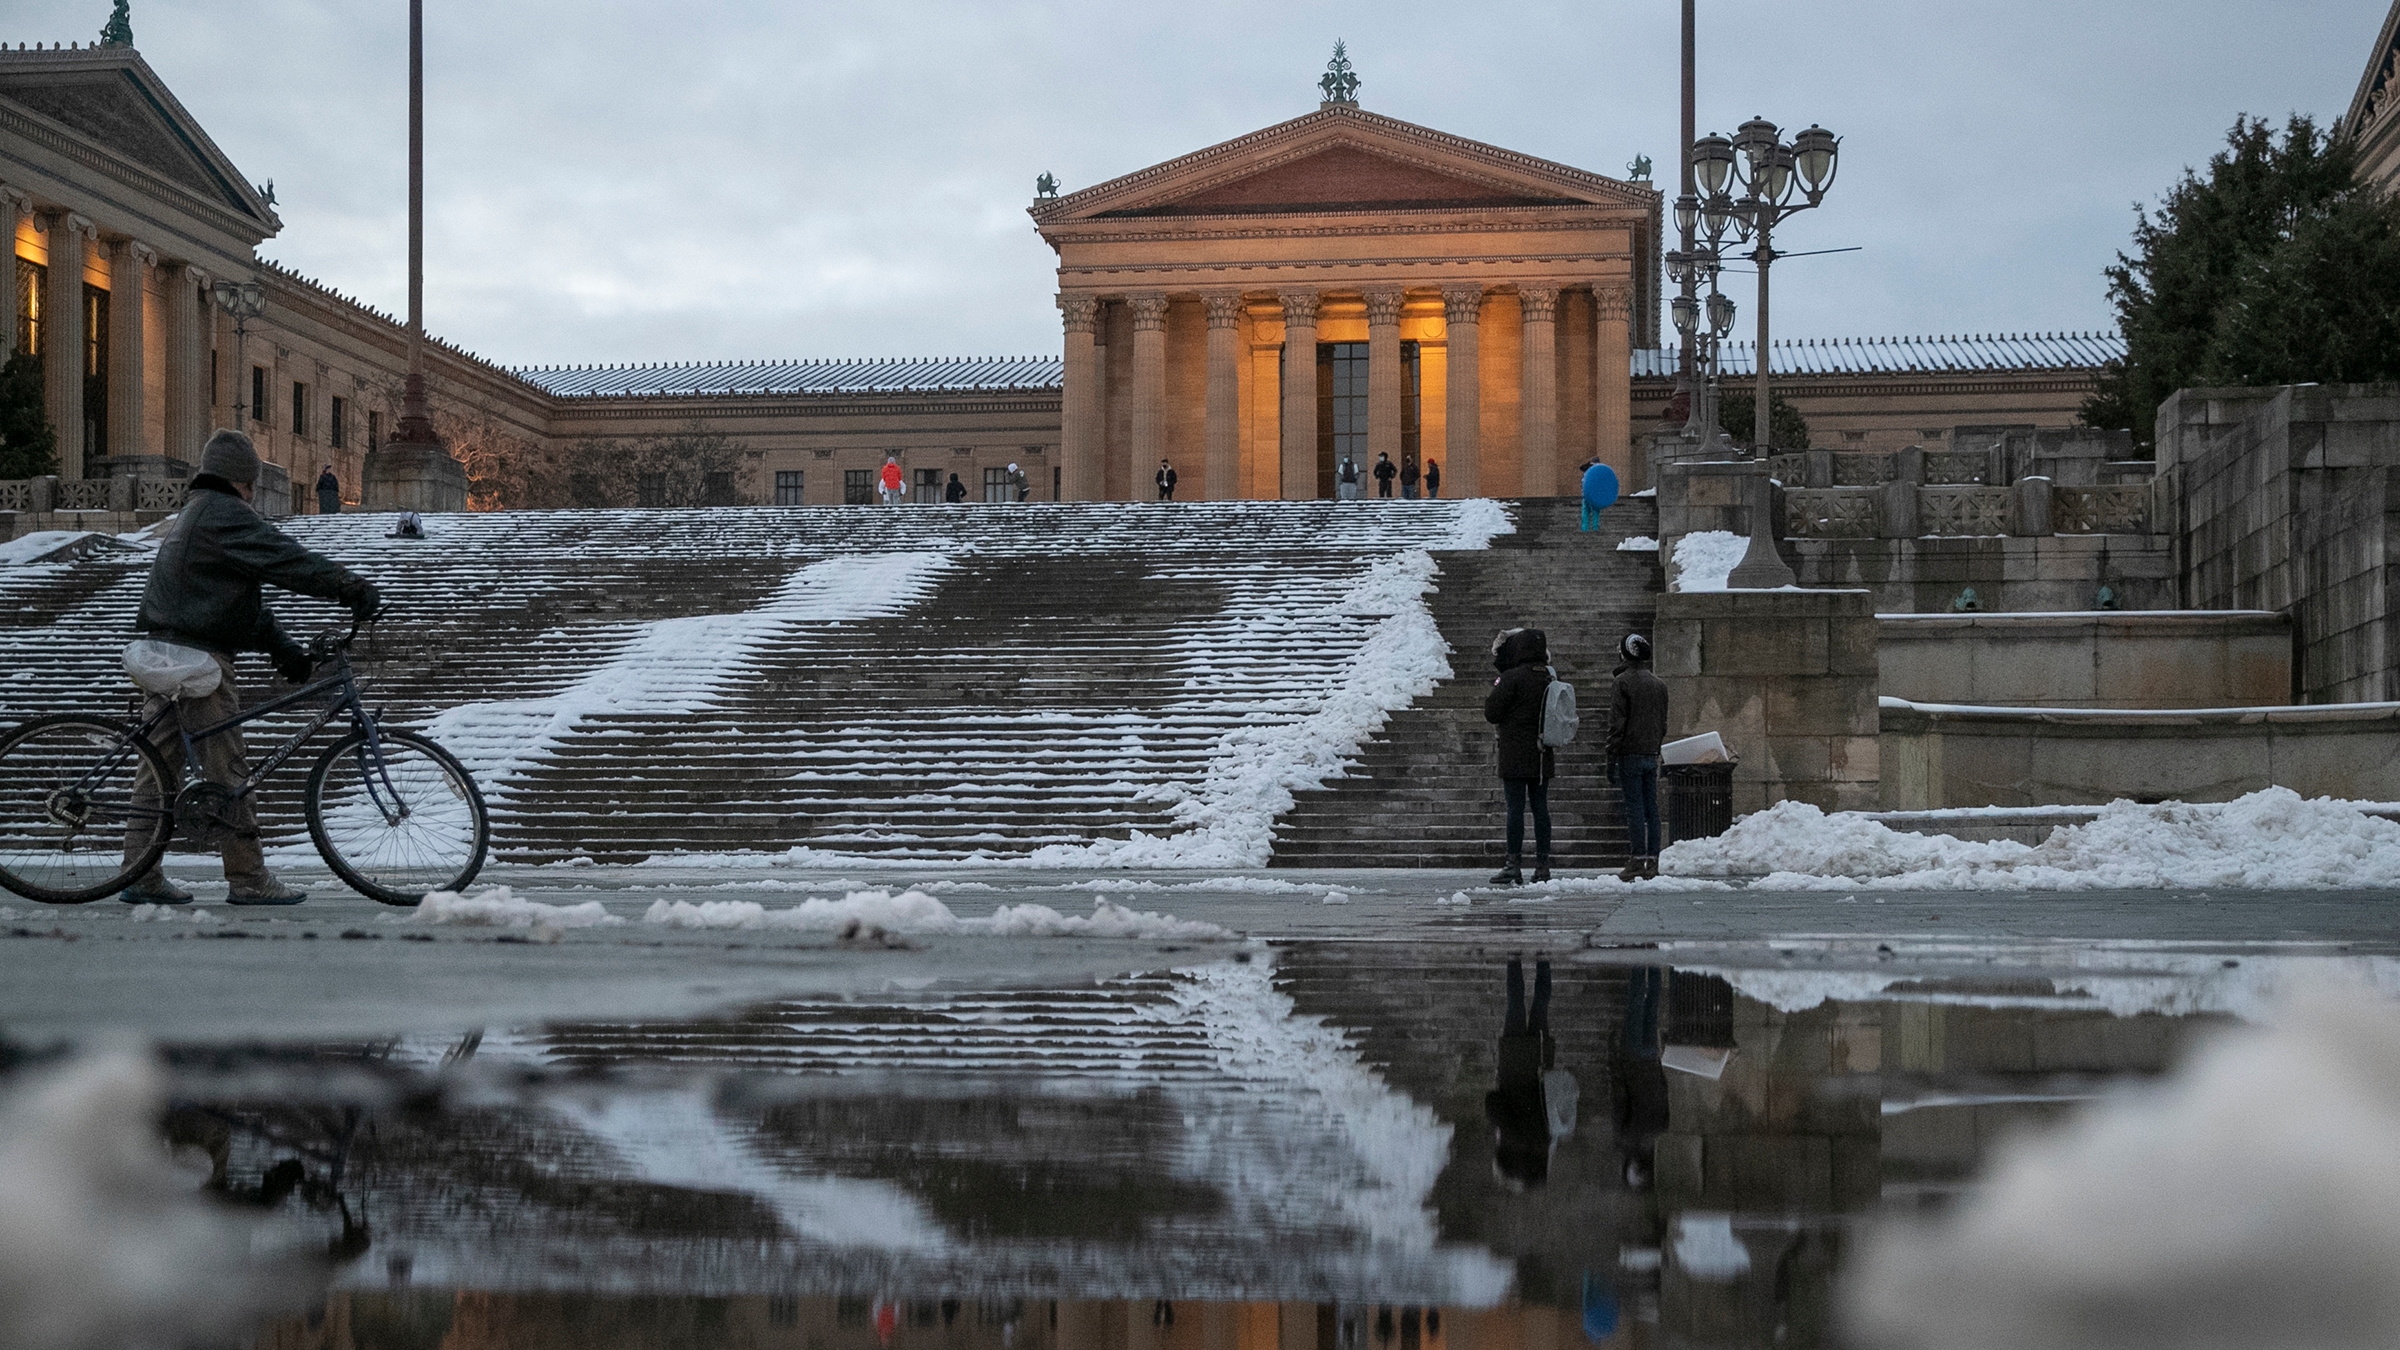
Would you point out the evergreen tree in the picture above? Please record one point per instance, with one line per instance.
(28, 447)
(118, 31)
(2277, 268)
(1736, 413)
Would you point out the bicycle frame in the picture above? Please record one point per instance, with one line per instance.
(344, 685)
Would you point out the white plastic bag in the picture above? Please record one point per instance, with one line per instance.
(172, 671)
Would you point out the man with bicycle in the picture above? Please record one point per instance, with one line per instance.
(204, 594)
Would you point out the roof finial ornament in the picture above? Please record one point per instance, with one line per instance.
(118, 31)
(1339, 83)
(1045, 186)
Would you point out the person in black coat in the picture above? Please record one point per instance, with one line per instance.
(329, 493)
(1526, 765)
(1637, 724)
(1408, 479)
(1385, 472)
(1165, 478)
(956, 492)
(1433, 478)
(1532, 1102)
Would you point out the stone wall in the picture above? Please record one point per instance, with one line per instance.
(1950, 757)
(1927, 575)
(1788, 679)
(2088, 660)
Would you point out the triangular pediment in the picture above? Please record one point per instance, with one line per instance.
(110, 97)
(1341, 158)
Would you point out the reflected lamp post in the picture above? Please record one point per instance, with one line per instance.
(244, 301)
(1752, 183)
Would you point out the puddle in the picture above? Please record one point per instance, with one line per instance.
(1325, 1146)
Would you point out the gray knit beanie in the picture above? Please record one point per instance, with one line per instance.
(230, 456)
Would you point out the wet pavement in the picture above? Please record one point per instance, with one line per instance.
(1391, 1122)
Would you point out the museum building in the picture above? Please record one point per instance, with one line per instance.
(1340, 284)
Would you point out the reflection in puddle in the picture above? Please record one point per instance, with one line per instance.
(1369, 1146)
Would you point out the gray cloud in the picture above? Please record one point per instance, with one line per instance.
(612, 181)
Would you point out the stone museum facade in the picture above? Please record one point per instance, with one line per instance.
(1251, 311)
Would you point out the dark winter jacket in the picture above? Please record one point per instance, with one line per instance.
(1637, 712)
(1515, 704)
(1518, 1108)
(1385, 470)
(1433, 476)
(204, 588)
(1408, 474)
(956, 492)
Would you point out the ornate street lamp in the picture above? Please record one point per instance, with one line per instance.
(244, 301)
(1752, 179)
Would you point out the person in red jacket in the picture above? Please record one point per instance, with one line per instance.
(895, 484)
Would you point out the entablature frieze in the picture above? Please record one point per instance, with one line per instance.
(236, 233)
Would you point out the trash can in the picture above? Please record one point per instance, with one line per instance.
(1699, 801)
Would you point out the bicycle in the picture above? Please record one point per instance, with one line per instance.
(393, 814)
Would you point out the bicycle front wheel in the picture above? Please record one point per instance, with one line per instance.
(68, 807)
(400, 826)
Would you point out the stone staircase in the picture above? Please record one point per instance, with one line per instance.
(1422, 791)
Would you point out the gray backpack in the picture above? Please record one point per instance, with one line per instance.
(1558, 713)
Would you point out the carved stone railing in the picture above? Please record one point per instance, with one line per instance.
(1789, 470)
(1832, 513)
(22, 494)
(1962, 510)
(160, 494)
(1958, 468)
(1861, 470)
(2111, 509)
(82, 494)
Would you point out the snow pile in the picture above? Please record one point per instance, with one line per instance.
(1640, 543)
(875, 912)
(2253, 1198)
(498, 907)
(1705, 558)
(2272, 838)
(678, 665)
(166, 914)
(102, 1243)
(41, 546)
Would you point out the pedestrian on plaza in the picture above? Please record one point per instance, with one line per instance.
(1637, 724)
(203, 597)
(1433, 478)
(1408, 479)
(1385, 472)
(956, 492)
(1346, 486)
(1165, 479)
(1017, 489)
(1515, 704)
(329, 493)
(894, 482)
(1532, 1105)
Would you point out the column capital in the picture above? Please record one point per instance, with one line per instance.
(1149, 312)
(72, 224)
(134, 249)
(1540, 303)
(16, 197)
(1383, 308)
(1224, 309)
(198, 275)
(1081, 312)
(1300, 307)
(1614, 298)
(1462, 304)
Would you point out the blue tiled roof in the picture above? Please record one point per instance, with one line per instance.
(1899, 355)
(894, 375)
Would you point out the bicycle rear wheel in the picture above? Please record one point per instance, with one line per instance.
(67, 804)
(402, 828)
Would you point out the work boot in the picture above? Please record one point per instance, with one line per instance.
(260, 888)
(1632, 870)
(1511, 875)
(1650, 868)
(1541, 872)
(155, 889)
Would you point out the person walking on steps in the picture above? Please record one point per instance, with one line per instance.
(1385, 472)
(1433, 479)
(1017, 489)
(204, 594)
(1165, 478)
(1526, 765)
(893, 482)
(1637, 723)
(329, 493)
(1346, 485)
(1408, 480)
(956, 492)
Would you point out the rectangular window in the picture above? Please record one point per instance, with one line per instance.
(335, 436)
(716, 489)
(258, 395)
(216, 392)
(1056, 473)
(1341, 408)
(300, 410)
(790, 488)
(95, 371)
(650, 489)
(858, 487)
(30, 279)
(996, 487)
(929, 486)
(374, 429)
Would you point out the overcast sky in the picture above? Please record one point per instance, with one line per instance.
(619, 181)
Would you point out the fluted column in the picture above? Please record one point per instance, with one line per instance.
(187, 361)
(1539, 389)
(62, 337)
(1299, 451)
(1079, 401)
(129, 264)
(1462, 431)
(1149, 442)
(1221, 433)
(1383, 378)
(13, 205)
(1612, 379)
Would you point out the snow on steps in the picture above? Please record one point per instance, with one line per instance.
(919, 683)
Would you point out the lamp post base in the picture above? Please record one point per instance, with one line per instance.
(418, 477)
(1762, 568)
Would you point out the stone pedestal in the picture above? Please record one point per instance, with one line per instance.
(1789, 679)
(421, 478)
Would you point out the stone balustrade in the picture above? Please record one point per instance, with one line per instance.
(1901, 510)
